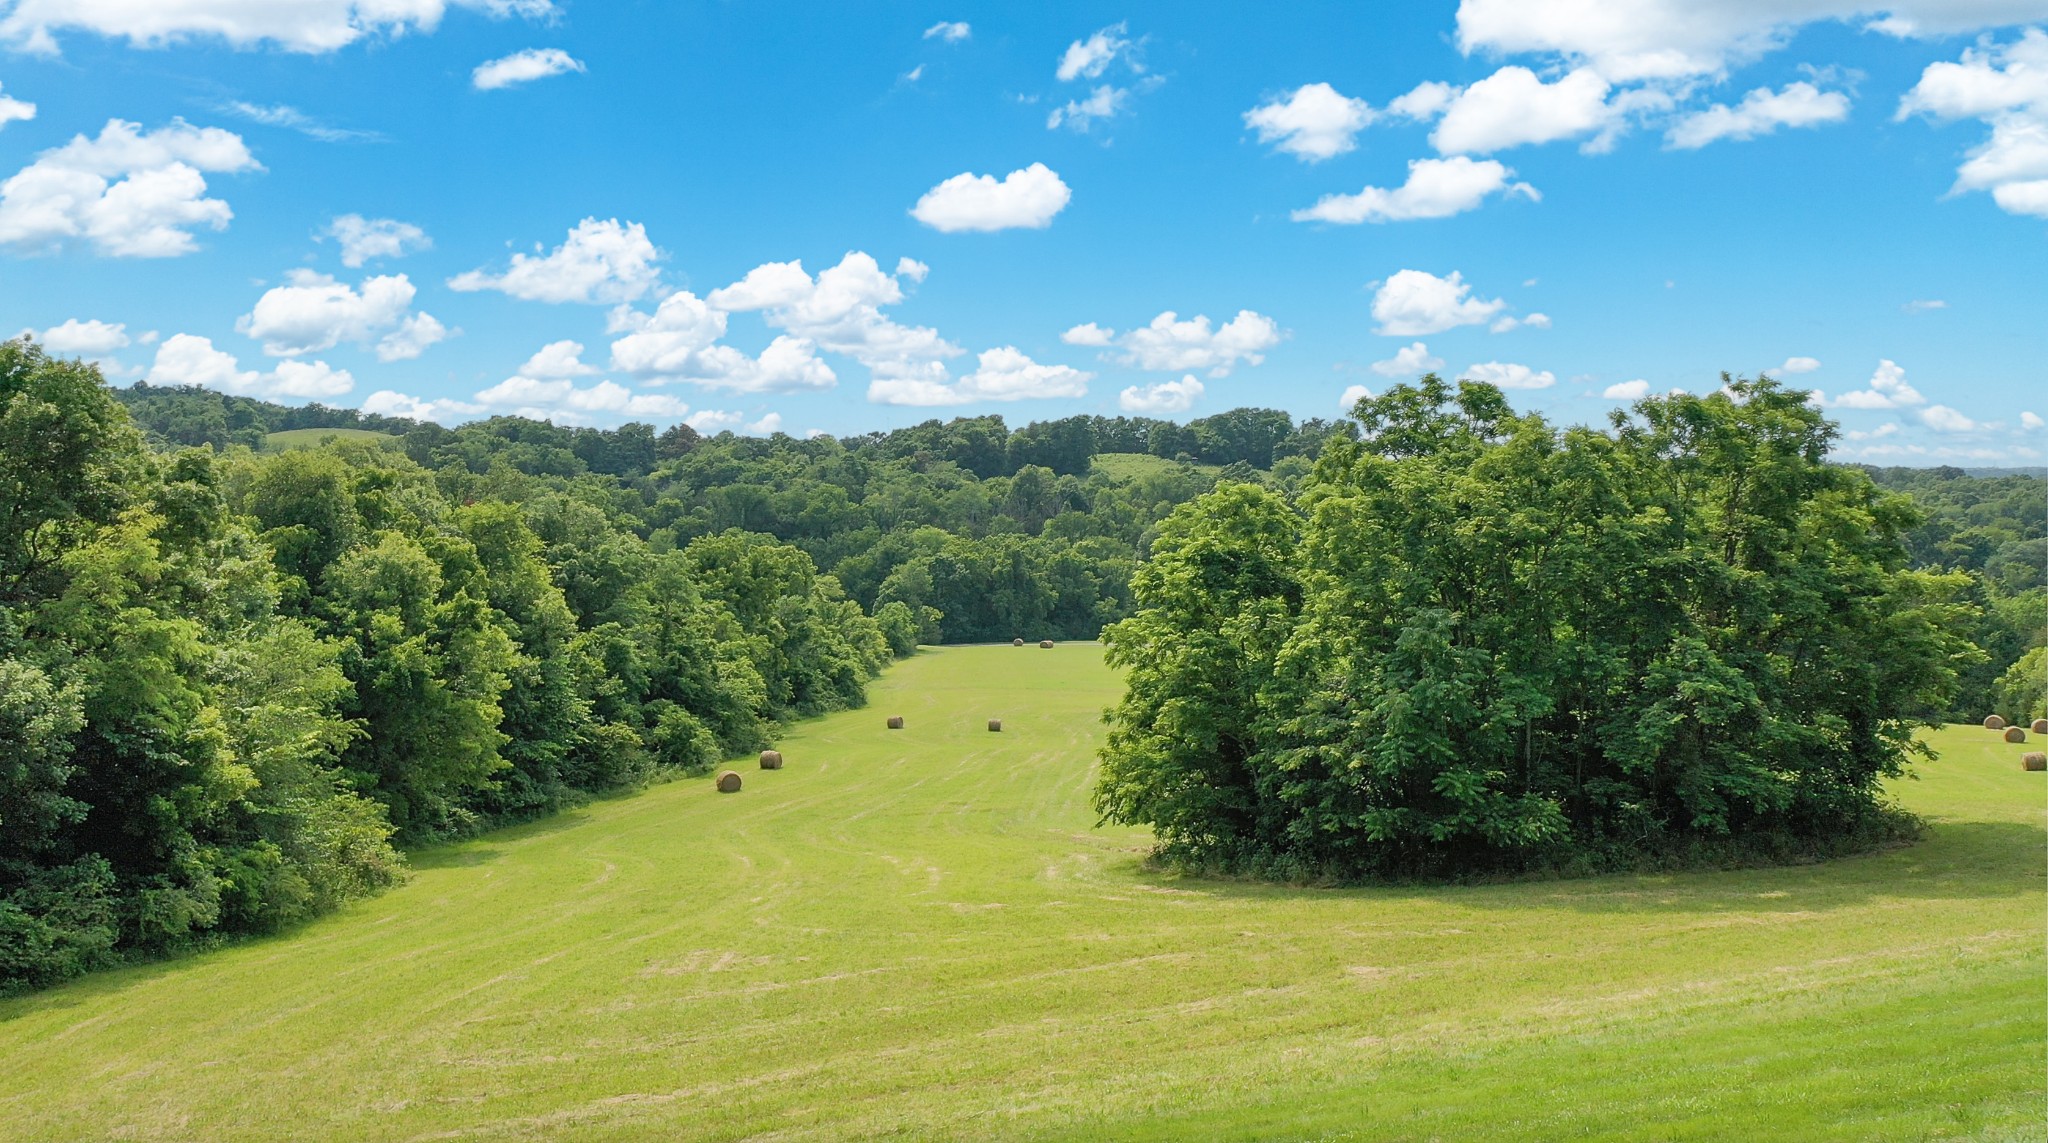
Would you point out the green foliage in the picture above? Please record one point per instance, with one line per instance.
(1498, 646)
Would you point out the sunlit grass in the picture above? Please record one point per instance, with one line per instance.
(921, 933)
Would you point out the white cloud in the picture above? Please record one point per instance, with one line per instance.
(599, 262)
(1314, 123)
(1943, 419)
(1794, 365)
(1089, 334)
(2032, 422)
(1409, 362)
(292, 119)
(523, 67)
(1507, 375)
(770, 424)
(1922, 305)
(1436, 188)
(389, 403)
(951, 31)
(1425, 101)
(300, 25)
(712, 421)
(1761, 112)
(840, 312)
(1080, 114)
(1352, 395)
(1671, 39)
(1027, 198)
(1508, 323)
(679, 342)
(365, 238)
(1415, 303)
(1004, 374)
(1513, 107)
(563, 400)
(15, 110)
(914, 74)
(91, 338)
(912, 269)
(1889, 428)
(2006, 87)
(184, 359)
(312, 312)
(1888, 390)
(557, 359)
(1627, 390)
(1086, 59)
(1161, 397)
(130, 193)
(1170, 345)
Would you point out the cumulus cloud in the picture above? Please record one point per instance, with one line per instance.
(1795, 365)
(1508, 375)
(1888, 390)
(1409, 362)
(523, 67)
(130, 193)
(1080, 114)
(1003, 374)
(363, 239)
(1351, 396)
(1761, 112)
(1313, 123)
(2006, 87)
(1086, 59)
(312, 26)
(1161, 397)
(1626, 40)
(912, 269)
(599, 262)
(1436, 188)
(91, 338)
(1922, 305)
(1943, 419)
(313, 312)
(679, 342)
(184, 359)
(1170, 345)
(1508, 323)
(1627, 390)
(768, 425)
(1514, 107)
(390, 403)
(840, 311)
(2032, 422)
(1027, 198)
(951, 31)
(1415, 303)
(14, 110)
(563, 400)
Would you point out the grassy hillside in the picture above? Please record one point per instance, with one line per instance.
(1124, 467)
(920, 934)
(313, 438)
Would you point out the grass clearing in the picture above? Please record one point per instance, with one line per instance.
(314, 438)
(921, 934)
(1124, 467)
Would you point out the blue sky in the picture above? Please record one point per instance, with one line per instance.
(595, 211)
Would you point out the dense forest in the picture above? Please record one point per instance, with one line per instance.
(1473, 642)
(237, 679)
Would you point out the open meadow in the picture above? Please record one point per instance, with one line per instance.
(921, 934)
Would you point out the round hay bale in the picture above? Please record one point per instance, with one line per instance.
(995, 725)
(1045, 643)
(2015, 734)
(1018, 642)
(2034, 760)
(2040, 726)
(895, 722)
(771, 759)
(728, 781)
(1993, 722)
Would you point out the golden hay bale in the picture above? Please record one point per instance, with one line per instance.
(1045, 643)
(2015, 734)
(2040, 726)
(771, 759)
(728, 781)
(895, 722)
(1993, 722)
(1016, 642)
(2034, 760)
(995, 724)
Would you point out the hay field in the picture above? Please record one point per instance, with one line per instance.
(919, 934)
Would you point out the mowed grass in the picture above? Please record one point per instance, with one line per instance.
(921, 934)
(1124, 467)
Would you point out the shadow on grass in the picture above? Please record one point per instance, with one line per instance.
(1956, 859)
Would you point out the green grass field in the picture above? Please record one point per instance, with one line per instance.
(920, 934)
(314, 438)
(1124, 467)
